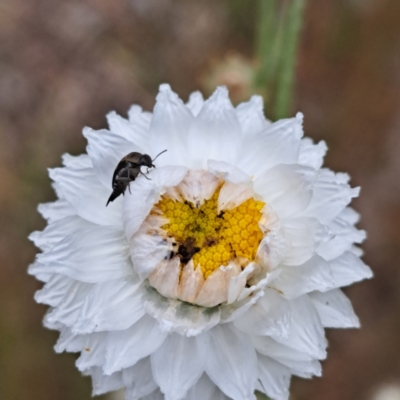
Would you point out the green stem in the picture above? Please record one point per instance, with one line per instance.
(267, 26)
(287, 66)
(261, 396)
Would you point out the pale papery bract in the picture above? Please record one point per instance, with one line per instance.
(141, 318)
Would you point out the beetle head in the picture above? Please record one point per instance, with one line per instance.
(146, 161)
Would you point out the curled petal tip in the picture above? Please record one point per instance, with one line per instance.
(221, 92)
(257, 101)
(195, 95)
(52, 173)
(220, 99)
(111, 114)
(87, 131)
(165, 87)
(135, 109)
(167, 95)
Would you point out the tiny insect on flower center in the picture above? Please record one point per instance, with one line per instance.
(211, 238)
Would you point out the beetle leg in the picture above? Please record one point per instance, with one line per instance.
(145, 176)
(129, 180)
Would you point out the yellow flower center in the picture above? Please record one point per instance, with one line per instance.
(210, 238)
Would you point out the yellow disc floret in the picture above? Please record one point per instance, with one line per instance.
(213, 239)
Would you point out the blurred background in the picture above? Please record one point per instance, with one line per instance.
(65, 64)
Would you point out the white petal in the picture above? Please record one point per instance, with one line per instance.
(136, 130)
(234, 372)
(312, 155)
(68, 309)
(112, 305)
(306, 332)
(348, 268)
(305, 234)
(269, 316)
(349, 215)
(216, 286)
(169, 127)
(77, 162)
(279, 143)
(106, 150)
(345, 235)
(251, 116)
(215, 133)
(140, 119)
(125, 348)
(356, 251)
(177, 365)
(139, 380)
(56, 210)
(149, 252)
(40, 271)
(246, 292)
(90, 255)
(295, 281)
(306, 369)
(273, 248)
(93, 351)
(198, 186)
(69, 342)
(335, 309)
(164, 177)
(56, 231)
(144, 194)
(195, 103)
(274, 377)
(341, 177)
(204, 389)
(178, 316)
(55, 326)
(330, 196)
(53, 292)
(233, 194)
(165, 277)
(231, 312)
(286, 188)
(56, 186)
(293, 359)
(104, 383)
(237, 283)
(88, 196)
(228, 172)
(191, 282)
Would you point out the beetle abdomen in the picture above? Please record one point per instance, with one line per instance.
(115, 193)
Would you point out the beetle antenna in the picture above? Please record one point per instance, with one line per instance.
(159, 154)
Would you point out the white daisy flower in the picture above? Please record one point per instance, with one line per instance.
(216, 272)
